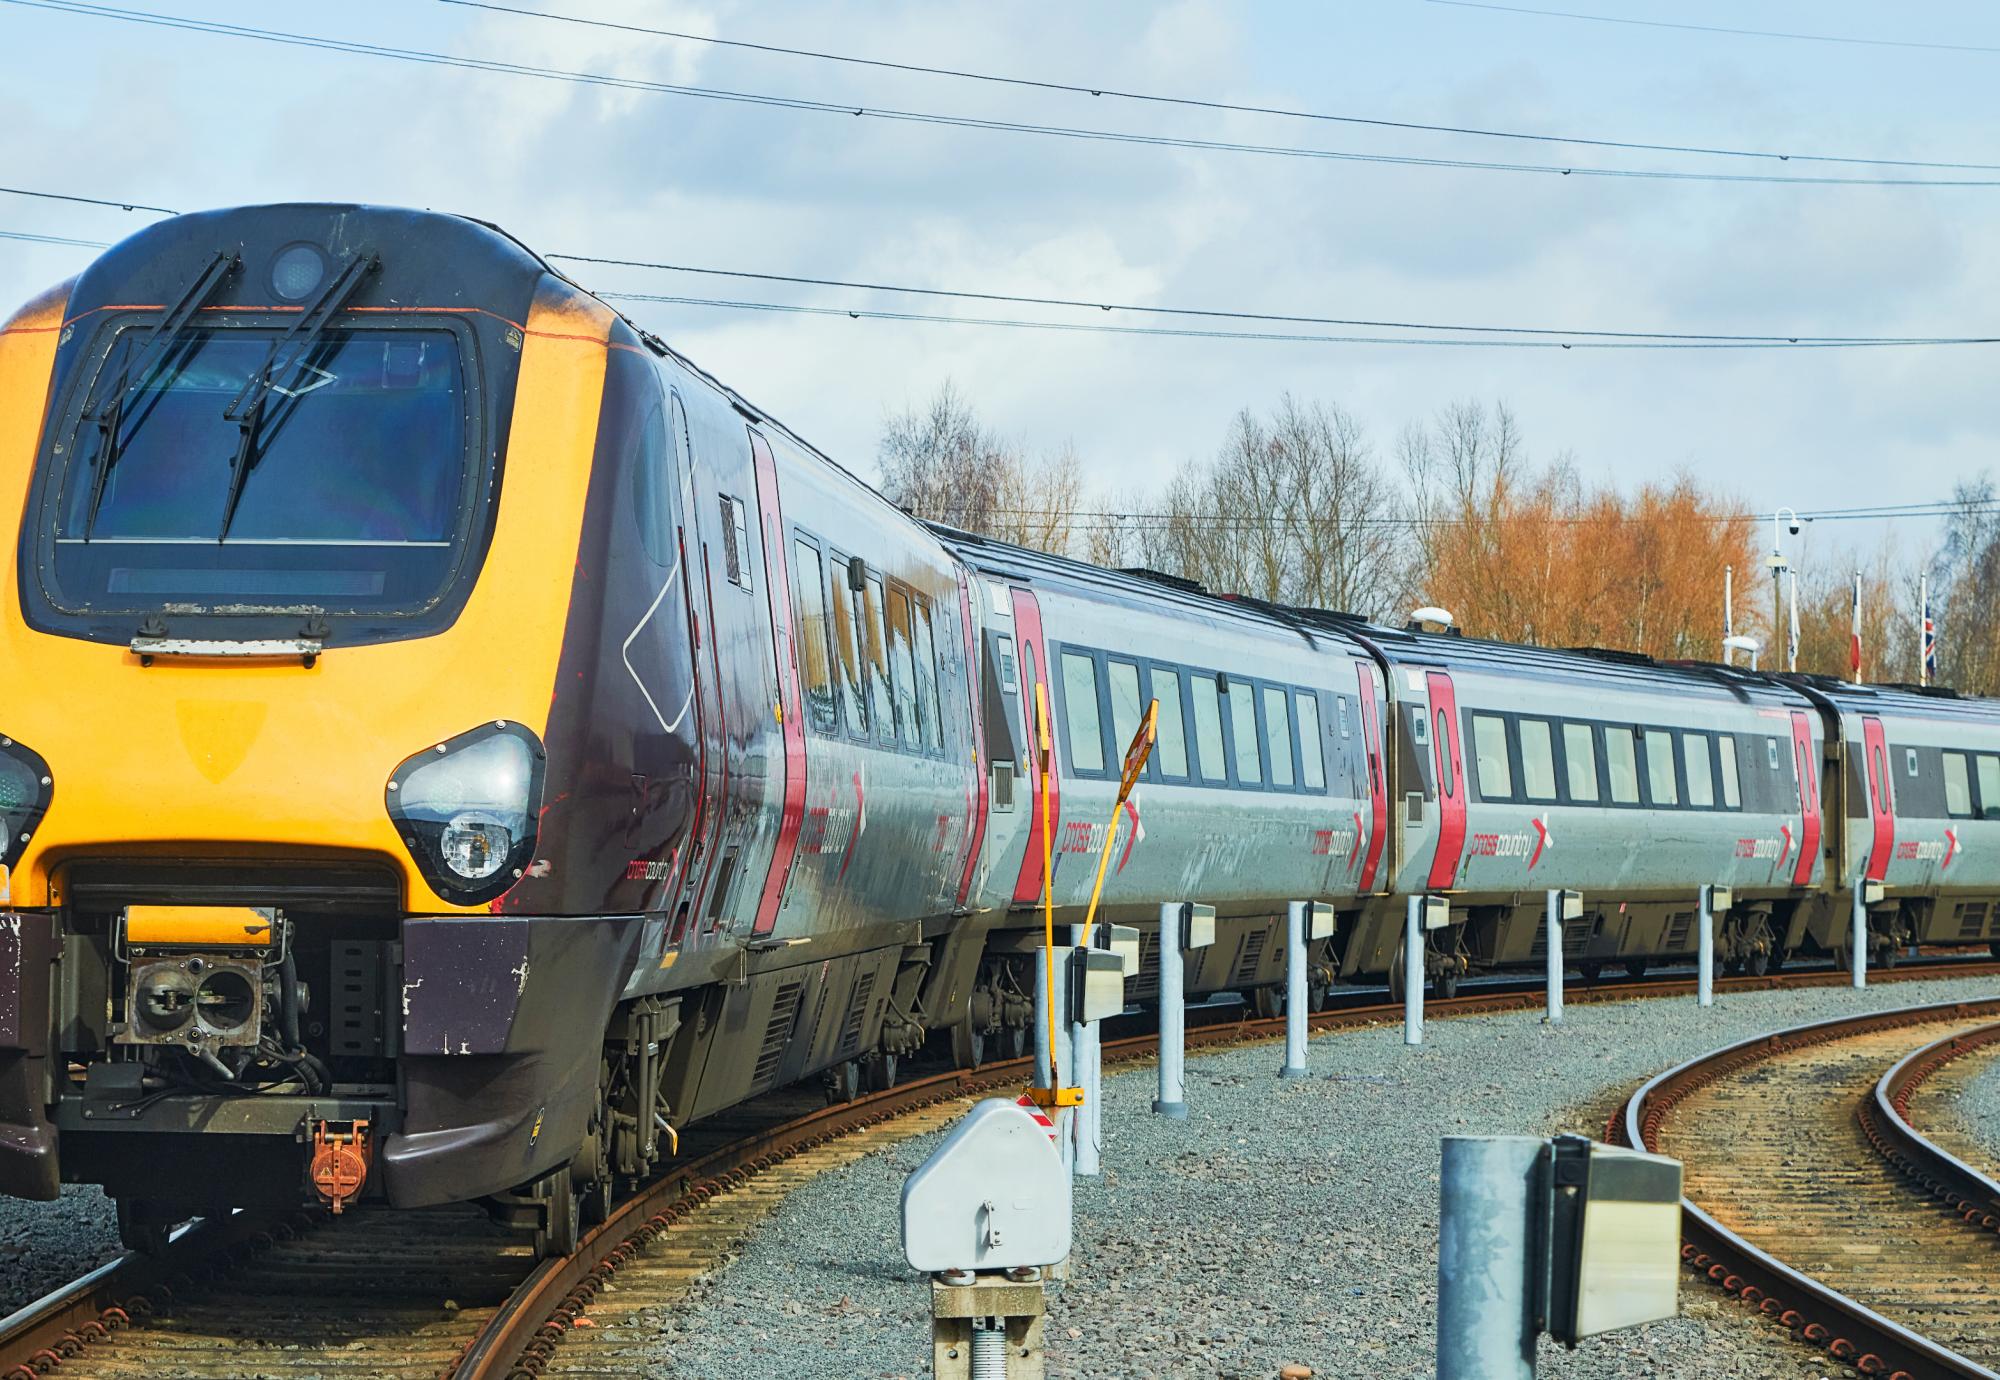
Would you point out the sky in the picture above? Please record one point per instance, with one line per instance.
(96, 107)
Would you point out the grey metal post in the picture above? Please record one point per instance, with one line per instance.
(1090, 1116)
(1704, 981)
(1555, 902)
(1062, 1058)
(1171, 1101)
(1295, 990)
(1486, 1237)
(1079, 1069)
(1857, 935)
(1413, 972)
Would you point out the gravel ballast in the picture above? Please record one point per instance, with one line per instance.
(1284, 1223)
(1979, 1105)
(43, 1245)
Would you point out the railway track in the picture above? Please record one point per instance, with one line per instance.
(1824, 1189)
(442, 1294)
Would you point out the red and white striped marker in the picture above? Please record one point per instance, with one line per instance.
(1039, 1115)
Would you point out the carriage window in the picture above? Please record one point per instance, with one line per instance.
(1278, 734)
(1957, 785)
(930, 701)
(902, 659)
(1243, 731)
(1312, 752)
(1538, 760)
(881, 692)
(1124, 705)
(1580, 761)
(1489, 751)
(1989, 786)
(1662, 781)
(809, 594)
(1732, 784)
(1208, 728)
(1700, 770)
(848, 639)
(1621, 757)
(1171, 751)
(1086, 729)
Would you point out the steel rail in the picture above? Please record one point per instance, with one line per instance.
(1885, 1118)
(40, 1336)
(1816, 1313)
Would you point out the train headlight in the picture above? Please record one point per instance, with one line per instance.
(25, 790)
(468, 810)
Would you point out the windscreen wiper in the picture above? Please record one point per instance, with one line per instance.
(247, 408)
(140, 363)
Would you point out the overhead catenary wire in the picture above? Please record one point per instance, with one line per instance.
(1105, 92)
(1688, 27)
(1291, 337)
(967, 122)
(1225, 521)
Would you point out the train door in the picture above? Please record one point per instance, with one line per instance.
(712, 769)
(790, 706)
(1881, 801)
(1450, 765)
(971, 682)
(1378, 779)
(1036, 698)
(1807, 764)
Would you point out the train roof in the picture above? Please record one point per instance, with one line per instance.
(1911, 701)
(1584, 665)
(1152, 587)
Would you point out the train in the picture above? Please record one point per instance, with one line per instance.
(451, 743)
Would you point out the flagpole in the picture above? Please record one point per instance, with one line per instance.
(1728, 614)
(1923, 630)
(1854, 647)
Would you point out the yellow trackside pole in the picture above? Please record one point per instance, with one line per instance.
(1057, 1094)
(1135, 762)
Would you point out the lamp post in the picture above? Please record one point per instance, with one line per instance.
(1791, 522)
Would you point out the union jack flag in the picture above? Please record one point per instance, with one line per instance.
(1930, 641)
(1854, 638)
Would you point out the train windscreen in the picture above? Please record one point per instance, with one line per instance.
(234, 468)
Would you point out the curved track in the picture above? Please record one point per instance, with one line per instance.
(1810, 1196)
(442, 1294)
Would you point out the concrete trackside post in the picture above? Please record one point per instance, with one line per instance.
(1295, 989)
(1704, 958)
(1555, 957)
(1487, 1254)
(1857, 936)
(1413, 972)
(1171, 1101)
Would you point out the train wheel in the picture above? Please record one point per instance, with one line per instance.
(1447, 983)
(562, 1216)
(1396, 976)
(968, 1045)
(1591, 969)
(1758, 963)
(879, 1073)
(1317, 996)
(843, 1082)
(1635, 968)
(1017, 1042)
(141, 1228)
(1888, 954)
(1269, 1002)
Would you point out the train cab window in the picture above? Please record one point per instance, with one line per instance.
(1580, 762)
(930, 702)
(815, 669)
(1732, 782)
(1312, 750)
(1243, 733)
(1621, 761)
(848, 639)
(1489, 755)
(1171, 751)
(1084, 726)
(1278, 734)
(1208, 728)
(1538, 760)
(903, 662)
(1957, 785)
(881, 692)
(1989, 786)
(1124, 679)
(1663, 787)
(1700, 770)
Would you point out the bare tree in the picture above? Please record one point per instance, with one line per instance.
(941, 463)
(1965, 591)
